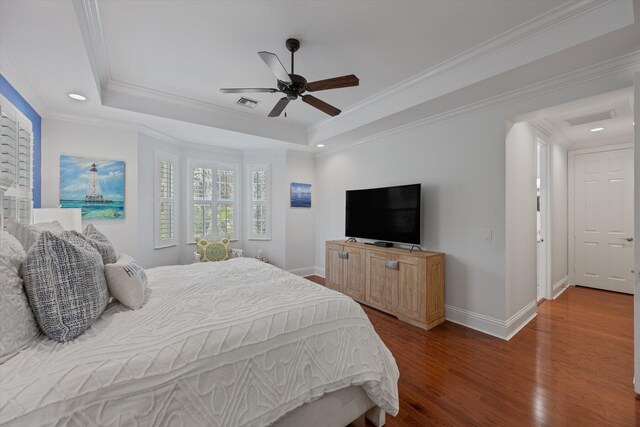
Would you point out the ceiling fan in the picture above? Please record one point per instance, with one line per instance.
(294, 85)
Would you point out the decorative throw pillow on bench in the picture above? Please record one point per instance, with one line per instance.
(18, 328)
(127, 281)
(213, 248)
(66, 286)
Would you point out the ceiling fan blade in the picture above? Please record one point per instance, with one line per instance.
(334, 83)
(276, 67)
(248, 90)
(279, 108)
(321, 105)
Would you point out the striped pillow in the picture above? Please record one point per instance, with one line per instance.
(66, 286)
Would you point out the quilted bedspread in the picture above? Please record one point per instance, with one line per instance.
(238, 342)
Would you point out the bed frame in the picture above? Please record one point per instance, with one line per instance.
(336, 409)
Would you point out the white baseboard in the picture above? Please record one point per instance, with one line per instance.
(319, 272)
(520, 319)
(305, 271)
(560, 287)
(503, 329)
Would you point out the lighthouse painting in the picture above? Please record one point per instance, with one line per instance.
(96, 186)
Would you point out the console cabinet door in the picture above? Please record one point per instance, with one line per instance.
(333, 267)
(353, 277)
(409, 296)
(377, 278)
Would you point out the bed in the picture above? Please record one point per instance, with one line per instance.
(238, 342)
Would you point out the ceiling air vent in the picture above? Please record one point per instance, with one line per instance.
(589, 118)
(246, 102)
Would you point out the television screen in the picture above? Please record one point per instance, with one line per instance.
(389, 214)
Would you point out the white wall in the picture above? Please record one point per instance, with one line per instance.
(300, 248)
(63, 137)
(148, 256)
(461, 165)
(274, 249)
(558, 235)
(461, 169)
(520, 226)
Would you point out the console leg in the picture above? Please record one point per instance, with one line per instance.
(376, 416)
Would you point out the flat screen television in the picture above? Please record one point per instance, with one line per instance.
(390, 214)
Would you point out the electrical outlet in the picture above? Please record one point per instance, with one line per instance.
(488, 234)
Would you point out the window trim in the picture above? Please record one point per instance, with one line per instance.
(159, 157)
(215, 166)
(250, 169)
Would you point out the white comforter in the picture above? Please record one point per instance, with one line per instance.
(216, 344)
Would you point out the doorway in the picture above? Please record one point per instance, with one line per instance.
(602, 246)
(542, 219)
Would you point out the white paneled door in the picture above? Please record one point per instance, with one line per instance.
(603, 212)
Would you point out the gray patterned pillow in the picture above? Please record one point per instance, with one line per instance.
(28, 234)
(18, 328)
(101, 243)
(66, 286)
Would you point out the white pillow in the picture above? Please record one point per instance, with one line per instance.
(28, 234)
(18, 327)
(126, 281)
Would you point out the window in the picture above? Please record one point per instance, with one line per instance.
(213, 200)
(16, 157)
(259, 192)
(166, 212)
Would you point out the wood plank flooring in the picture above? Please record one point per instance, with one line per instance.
(571, 366)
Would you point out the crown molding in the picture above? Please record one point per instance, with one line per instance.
(603, 142)
(89, 18)
(10, 70)
(570, 24)
(552, 18)
(629, 62)
(549, 132)
(130, 89)
(140, 99)
(141, 129)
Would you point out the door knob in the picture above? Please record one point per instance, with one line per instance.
(629, 239)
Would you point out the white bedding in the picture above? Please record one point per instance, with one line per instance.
(238, 342)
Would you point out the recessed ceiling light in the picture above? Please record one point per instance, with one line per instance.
(596, 129)
(320, 145)
(77, 96)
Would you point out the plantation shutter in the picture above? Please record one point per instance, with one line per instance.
(16, 145)
(166, 218)
(259, 202)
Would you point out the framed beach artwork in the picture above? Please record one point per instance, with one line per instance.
(300, 195)
(94, 185)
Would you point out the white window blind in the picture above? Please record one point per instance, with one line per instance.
(259, 195)
(16, 169)
(214, 203)
(166, 210)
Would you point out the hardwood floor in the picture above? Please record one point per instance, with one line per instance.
(571, 366)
